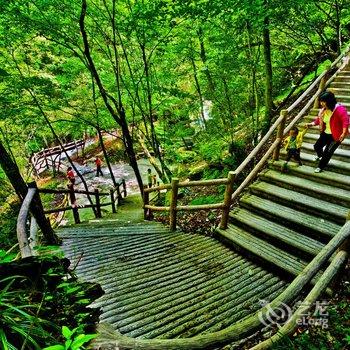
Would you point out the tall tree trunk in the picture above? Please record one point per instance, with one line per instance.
(129, 147)
(152, 160)
(37, 102)
(105, 155)
(211, 86)
(268, 75)
(199, 91)
(13, 174)
(338, 25)
(117, 112)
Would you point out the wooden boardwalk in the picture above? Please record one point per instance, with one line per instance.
(201, 292)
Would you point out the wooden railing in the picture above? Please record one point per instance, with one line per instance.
(116, 194)
(282, 130)
(274, 149)
(335, 248)
(51, 157)
(22, 237)
(173, 208)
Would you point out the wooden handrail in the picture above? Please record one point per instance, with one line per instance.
(95, 193)
(278, 123)
(214, 182)
(63, 190)
(252, 322)
(22, 237)
(274, 148)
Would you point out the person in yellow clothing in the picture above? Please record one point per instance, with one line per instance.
(292, 145)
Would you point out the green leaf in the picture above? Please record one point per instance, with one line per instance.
(81, 339)
(67, 333)
(68, 343)
(55, 347)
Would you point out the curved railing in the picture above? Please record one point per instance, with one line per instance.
(115, 195)
(253, 322)
(24, 242)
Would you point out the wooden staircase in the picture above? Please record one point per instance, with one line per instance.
(285, 219)
(171, 290)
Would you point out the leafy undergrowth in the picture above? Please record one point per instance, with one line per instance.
(38, 297)
(202, 221)
(336, 335)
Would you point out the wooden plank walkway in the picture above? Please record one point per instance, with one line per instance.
(165, 285)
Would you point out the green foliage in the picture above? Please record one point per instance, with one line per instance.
(8, 220)
(74, 339)
(36, 304)
(19, 322)
(210, 199)
(6, 256)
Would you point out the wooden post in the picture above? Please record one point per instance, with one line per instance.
(124, 187)
(111, 191)
(321, 88)
(346, 245)
(43, 222)
(98, 204)
(173, 203)
(46, 162)
(276, 153)
(73, 202)
(227, 200)
(119, 196)
(146, 212)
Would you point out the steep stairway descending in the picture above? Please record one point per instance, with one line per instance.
(166, 285)
(284, 219)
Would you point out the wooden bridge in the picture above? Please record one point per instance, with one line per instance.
(284, 242)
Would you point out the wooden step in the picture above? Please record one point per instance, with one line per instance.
(340, 85)
(339, 154)
(312, 188)
(334, 165)
(278, 234)
(296, 200)
(341, 92)
(310, 137)
(290, 217)
(261, 249)
(314, 112)
(308, 172)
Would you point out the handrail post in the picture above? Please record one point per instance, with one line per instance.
(146, 212)
(119, 196)
(22, 237)
(98, 203)
(227, 200)
(346, 245)
(173, 203)
(73, 202)
(124, 187)
(280, 130)
(111, 191)
(320, 89)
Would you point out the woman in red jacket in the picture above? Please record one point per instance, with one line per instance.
(334, 122)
